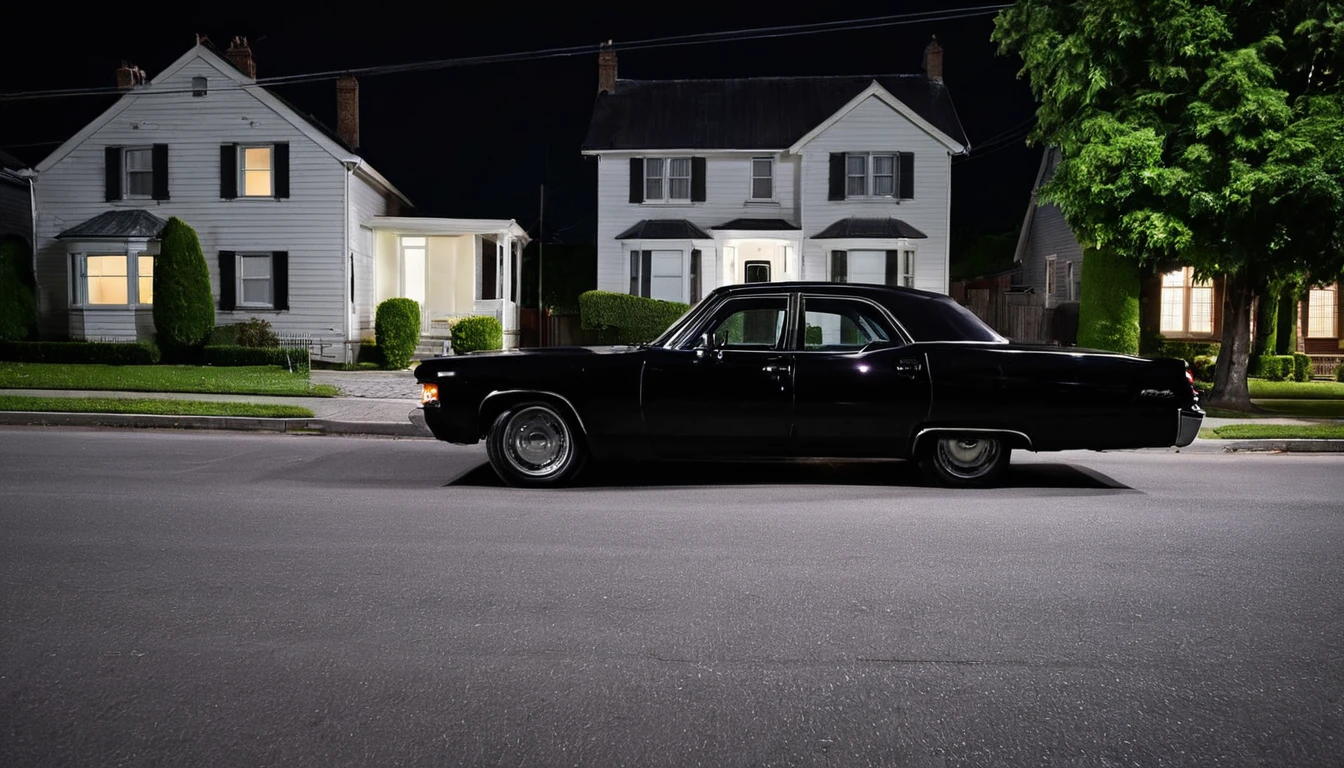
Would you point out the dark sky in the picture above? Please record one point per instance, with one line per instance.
(478, 141)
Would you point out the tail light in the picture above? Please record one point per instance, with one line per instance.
(429, 393)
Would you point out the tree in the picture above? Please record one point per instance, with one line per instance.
(18, 297)
(1108, 310)
(184, 308)
(1202, 134)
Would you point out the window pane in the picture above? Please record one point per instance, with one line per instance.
(1174, 278)
(857, 165)
(1201, 310)
(106, 279)
(884, 175)
(139, 160)
(868, 267)
(762, 189)
(679, 167)
(139, 183)
(762, 167)
(679, 178)
(1322, 314)
(1173, 309)
(415, 241)
(678, 189)
(883, 164)
(257, 183)
(884, 185)
(257, 159)
(752, 323)
(653, 189)
(256, 266)
(145, 265)
(843, 324)
(856, 185)
(256, 291)
(665, 275)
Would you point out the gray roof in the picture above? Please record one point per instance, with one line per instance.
(125, 222)
(762, 225)
(854, 227)
(664, 229)
(747, 113)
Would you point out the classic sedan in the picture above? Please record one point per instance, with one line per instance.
(777, 371)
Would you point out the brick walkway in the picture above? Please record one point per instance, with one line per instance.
(384, 385)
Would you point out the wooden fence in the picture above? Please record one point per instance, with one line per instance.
(1021, 317)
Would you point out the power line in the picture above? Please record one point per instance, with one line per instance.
(575, 50)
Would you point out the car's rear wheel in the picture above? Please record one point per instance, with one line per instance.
(535, 445)
(966, 461)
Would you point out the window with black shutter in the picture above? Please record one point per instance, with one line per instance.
(836, 188)
(112, 173)
(906, 176)
(160, 171)
(228, 277)
(636, 179)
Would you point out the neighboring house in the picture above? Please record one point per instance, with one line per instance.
(1171, 302)
(16, 199)
(287, 212)
(703, 183)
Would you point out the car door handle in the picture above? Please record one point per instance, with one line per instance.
(776, 369)
(908, 367)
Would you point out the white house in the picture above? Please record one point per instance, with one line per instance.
(703, 183)
(289, 216)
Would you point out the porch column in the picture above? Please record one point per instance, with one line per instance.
(508, 309)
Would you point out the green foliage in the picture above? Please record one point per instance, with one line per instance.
(1279, 432)
(1339, 373)
(18, 292)
(397, 331)
(184, 308)
(1285, 338)
(620, 318)
(152, 406)
(79, 352)
(369, 353)
(567, 271)
(472, 334)
(240, 355)
(1203, 367)
(251, 380)
(1266, 322)
(1275, 367)
(1108, 312)
(256, 332)
(1301, 367)
(812, 336)
(222, 336)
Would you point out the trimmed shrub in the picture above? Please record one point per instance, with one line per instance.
(812, 336)
(79, 352)
(18, 291)
(396, 327)
(471, 334)
(240, 355)
(222, 336)
(184, 308)
(1204, 367)
(1203, 388)
(1108, 312)
(1339, 373)
(1265, 340)
(619, 318)
(256, 332)
(1285, 338)
(1301, 367)
(1275, 367)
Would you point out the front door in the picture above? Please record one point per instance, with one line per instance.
(732, 399)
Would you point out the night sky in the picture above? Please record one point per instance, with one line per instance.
(479, 141)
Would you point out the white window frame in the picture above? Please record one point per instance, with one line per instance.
(126, 173)
(135, 281)
(1187, 289)
(908, 267)
(634, 261)
(241, 300)
(753, 177)
(664, 178)
(242, 170)
(1050, 277)
(82, 261)
(869, 177)
(1313, 316)
(1068, 279)
(500, 257)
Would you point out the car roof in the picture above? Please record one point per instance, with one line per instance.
(816, 286)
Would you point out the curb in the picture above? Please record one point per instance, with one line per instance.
(412, 427)
(1282, 446)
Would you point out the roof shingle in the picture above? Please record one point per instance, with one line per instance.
(857, 228)
(126, 222)
(664, 229)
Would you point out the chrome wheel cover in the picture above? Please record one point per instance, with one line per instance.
(537, 442)
(967, 458)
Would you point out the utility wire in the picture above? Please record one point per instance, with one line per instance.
(575, 50)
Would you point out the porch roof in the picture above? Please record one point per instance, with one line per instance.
(875, 229)
(758, 225)
(425, 225)
(126, 222)
(664, 229)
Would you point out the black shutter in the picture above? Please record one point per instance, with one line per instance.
(837, 187)
(112, 172)
(839, 266)
(280, 278)
(636, 179)
(489, 269)
(281, 160)
(697, 179)
(695, 275)
(513, 272)
(228, 280)
(893, 267)
(228, 171)
(906, 176)
(645, 273)
(634, 273)
(160, 160)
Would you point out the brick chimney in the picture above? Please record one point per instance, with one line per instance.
(241, 57)
(933, 60)
(606, 68)
(347, 110)
(126, 77)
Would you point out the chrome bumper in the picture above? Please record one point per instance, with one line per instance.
(1190, 421)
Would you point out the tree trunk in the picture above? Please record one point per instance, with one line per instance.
(1230, 389)
(1266, 321)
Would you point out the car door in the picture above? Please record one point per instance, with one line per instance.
(733, 398)
(859, 389)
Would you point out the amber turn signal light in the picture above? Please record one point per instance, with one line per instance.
(429, 393)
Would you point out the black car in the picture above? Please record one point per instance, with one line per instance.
(769, 371)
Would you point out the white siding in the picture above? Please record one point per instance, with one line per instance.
(310, 225)
(366, 201)
(872, 126)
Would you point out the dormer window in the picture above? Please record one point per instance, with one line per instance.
(198, 86)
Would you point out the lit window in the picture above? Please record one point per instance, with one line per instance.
(1187, 304)
(762, 178)
(1322, 313)
(145, 279)
(106, 277)
(139, 166)
(254, 281)
(255, 174)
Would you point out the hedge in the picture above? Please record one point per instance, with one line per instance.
(1301, 367)
(396, 329)
(472, 334)
(1265, 341)
(1153, 345)
(1204, 367)
(1108, 313)
(1339, 373)
(1285, 338)
(79, 352)
(620, 318)
(18, 297)
(184, 307)
(239, 355)
(1278, 367)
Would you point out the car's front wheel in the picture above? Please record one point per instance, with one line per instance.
(966, 461)
(534, 445)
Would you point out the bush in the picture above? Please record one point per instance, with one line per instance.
(471, 334)
(222, 336)
(1265, 338)
(1153, 345)
(79, 352)
(1203, 388)
(239, 355)
(1339, 373)
(18, 291)
(1108, 312)
(396, 327)
(1204, 367)
(1276, 367)
(256, 332)
(370, 353)
(620, 318)
(184, 308)
(1301, 367)
(1285, 337)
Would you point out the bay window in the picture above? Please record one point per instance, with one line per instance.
(105, 280)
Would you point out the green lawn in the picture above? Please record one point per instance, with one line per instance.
(1303, 390)
(1274, 432)
(150, 406)
(242, 380)
(1279, 409)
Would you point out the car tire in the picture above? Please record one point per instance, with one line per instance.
(535, 444)
(966, 461)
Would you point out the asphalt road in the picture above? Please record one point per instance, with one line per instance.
(222, 599)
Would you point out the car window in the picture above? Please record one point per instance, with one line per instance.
(843, 325)
(752, 323)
